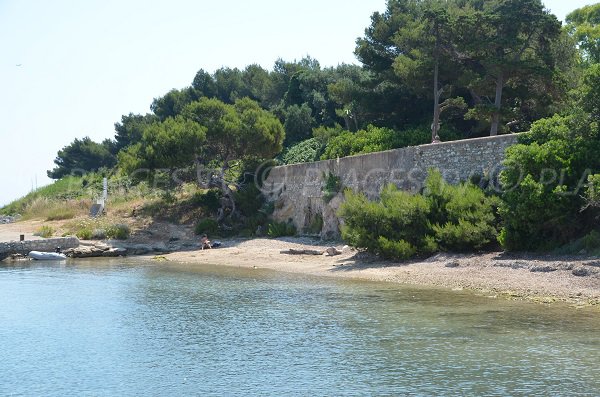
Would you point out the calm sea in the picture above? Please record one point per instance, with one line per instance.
(129, 328)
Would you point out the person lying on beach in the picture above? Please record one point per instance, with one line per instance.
(205, 242)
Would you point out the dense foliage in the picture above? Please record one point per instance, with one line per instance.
(82, 156)
(401, 225)
(550, 180)
(544, 183)
(374, 139)
(303, 152)
(584, 25)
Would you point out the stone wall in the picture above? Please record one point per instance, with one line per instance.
(297, 190)
(44, 245)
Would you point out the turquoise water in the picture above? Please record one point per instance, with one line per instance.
(118, 328)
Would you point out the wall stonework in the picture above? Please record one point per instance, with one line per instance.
(297, 190)
(44, 245)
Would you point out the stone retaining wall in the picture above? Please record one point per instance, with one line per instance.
(297, 190)
(44, 245)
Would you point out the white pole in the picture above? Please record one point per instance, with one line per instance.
(105, 189)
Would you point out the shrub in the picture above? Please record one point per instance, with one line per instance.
(118, 231)
(591, 241)
(401, 225)
(303, 152)
(281, 229)
(98, 234)
(333, 185)
(398, 216)
(207, 226)
(592, 192)
(44, 231)
(462, 217)
(396, 249)
(249, 200)
(543, 182)
(375, 139)
(588, 244)
(84, 234)
(316, 224)
(209, 200)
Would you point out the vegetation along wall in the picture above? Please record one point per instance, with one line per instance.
(309, 194)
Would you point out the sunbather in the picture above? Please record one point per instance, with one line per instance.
(205, 242)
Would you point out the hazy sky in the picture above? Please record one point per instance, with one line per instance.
(70, 69)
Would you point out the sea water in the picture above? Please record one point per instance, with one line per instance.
(133, 328)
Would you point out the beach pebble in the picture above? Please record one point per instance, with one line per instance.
(543, 269)
(580, 272)
(332, 251)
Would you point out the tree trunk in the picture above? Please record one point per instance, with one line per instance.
(497, 105)
(436, 104)
(347, 121)
(227, 196)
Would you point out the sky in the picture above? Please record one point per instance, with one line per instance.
(72, 68)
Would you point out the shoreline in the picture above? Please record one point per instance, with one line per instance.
(535, 278)
(574, 280)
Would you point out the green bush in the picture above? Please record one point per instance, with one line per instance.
(281, 229)
(401, 225)
(591, 241)
(303, 152)
(462, 217)
(118, 231)
(98, 234)
(375, 139)
(544, 184)
(333, 186)
(209, 200)
(249, 200)
(588, 244)
(398, 216)
(207, 226)
(85, 234)
(316, 224)
(44, 231)
(396, 249)
(592, 191)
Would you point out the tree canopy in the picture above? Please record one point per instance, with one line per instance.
(82, 155)
(584, 25)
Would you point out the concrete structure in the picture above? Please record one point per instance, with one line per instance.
(44, 245)
(297, 190)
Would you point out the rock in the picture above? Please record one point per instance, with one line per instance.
(332, 251)
(114, 252)
(94, 251)
(331, 222)
(292, 251)
(102, 246)
(543, 269)
(4, 219)
(452, 264)
(580, 272)
(83, 252)
(140, 249)
(160, 247)
(512, 264)
(592, 263)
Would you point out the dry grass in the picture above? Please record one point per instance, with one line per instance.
(52, 210)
